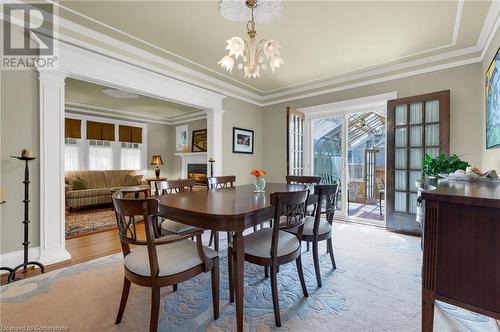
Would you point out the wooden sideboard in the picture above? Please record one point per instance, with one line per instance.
(461, 260)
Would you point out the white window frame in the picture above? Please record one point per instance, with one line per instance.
(115, 145)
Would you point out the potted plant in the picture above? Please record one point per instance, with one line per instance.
(442, 165)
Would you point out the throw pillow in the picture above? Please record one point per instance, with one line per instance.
(78, 184)
(133, 180)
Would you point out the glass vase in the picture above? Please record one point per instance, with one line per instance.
(260, 184)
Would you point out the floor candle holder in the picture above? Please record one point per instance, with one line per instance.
(24, 265)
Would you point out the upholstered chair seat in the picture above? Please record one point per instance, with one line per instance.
(170, 226)
(324, 227)
(172, 258)
(259, 243)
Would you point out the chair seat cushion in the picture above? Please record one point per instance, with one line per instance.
(324, 227)
(259, 243)
(174, 226)
(173, 258)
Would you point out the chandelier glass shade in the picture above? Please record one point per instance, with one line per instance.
(254, 55)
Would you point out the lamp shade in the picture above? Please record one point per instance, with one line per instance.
(156, 160)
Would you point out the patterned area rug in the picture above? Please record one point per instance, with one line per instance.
(86, 221)
(375, 288)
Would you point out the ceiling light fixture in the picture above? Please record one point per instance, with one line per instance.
(255, 55)
(121, 94)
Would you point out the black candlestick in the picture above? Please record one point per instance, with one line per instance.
(211, 161)
(26, 201)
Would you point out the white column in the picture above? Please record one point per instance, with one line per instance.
(52, 232)
(214, 133)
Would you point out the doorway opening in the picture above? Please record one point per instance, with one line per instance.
(366, 165)
(350, 149)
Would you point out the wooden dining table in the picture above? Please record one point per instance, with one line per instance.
(229, 210)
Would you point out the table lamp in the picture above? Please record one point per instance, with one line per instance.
(156, 161)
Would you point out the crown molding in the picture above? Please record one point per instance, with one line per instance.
(181, 73)
(84, 108)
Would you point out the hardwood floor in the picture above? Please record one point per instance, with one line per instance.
(83, 248)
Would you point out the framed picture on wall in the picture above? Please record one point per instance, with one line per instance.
(199, 142)
(242, 140)
(492, 98)
(181, 138)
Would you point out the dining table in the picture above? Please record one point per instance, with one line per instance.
(232, 210)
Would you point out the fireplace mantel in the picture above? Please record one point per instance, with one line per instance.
(191, 158)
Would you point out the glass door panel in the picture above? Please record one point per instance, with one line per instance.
(366, 163)
(327, 152)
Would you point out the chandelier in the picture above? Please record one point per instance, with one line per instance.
(256, 55)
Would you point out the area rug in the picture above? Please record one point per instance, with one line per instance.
(375, 288)
(86, 221)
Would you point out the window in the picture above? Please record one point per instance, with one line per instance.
(295, 142)
(71, 154)
(131, 156)
(100, 155)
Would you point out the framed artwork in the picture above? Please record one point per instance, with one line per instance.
(181, 138)
(242, 140)
(199, 142)
(492, 98)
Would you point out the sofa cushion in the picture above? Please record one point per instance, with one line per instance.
(91, 179)
(133, 180)
(88, 193)
(116, 178)
(77, 184)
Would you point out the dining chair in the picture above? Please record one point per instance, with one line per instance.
(272, 247)
(158, 262)
(305, 180)
(318, 229)
(168, 226)
(219, 182)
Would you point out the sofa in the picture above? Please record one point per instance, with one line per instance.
(85, 188)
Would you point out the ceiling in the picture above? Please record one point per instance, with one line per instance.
(84, 96)
(320, 40)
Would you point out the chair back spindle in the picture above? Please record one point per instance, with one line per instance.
(327, 203)
(126, 210)
(302, 179)
(175, 186)
(289, 212)
(219, 182)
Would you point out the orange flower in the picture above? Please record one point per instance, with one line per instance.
(257, 172)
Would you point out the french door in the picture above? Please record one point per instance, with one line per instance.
(345, 147)
(416, 126)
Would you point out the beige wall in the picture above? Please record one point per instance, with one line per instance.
(491, 157)
(160, 142)
(19, 129)
(247, 116)
(467, 122)
(174, 163)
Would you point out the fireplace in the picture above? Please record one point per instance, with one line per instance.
(198, 172)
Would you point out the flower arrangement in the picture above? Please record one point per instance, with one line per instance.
(260, 183)
(258, 172)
